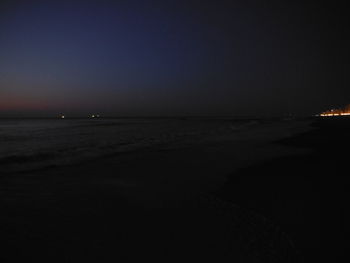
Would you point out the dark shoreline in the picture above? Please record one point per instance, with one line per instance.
(87, 217)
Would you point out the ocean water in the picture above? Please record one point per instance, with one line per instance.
(32, 144)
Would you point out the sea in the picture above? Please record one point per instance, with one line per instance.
(35, 144)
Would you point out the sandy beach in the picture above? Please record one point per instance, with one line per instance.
(174, 131)
(258, 197)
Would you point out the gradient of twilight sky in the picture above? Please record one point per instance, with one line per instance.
(126, 58)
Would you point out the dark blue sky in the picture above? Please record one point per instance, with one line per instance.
(172, 57)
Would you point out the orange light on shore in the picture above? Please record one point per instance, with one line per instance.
(332, 114)
(336, 112)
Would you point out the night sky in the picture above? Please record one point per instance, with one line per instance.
(132, 58)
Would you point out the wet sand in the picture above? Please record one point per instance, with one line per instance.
(306, 195)
(225, 200)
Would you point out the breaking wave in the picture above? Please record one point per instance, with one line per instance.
(36, 144)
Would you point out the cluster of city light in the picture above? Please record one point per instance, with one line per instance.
(336, 112)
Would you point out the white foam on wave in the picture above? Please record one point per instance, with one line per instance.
(37, 144)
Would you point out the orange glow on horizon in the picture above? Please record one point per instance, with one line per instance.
(336, 112)
(9, 103)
